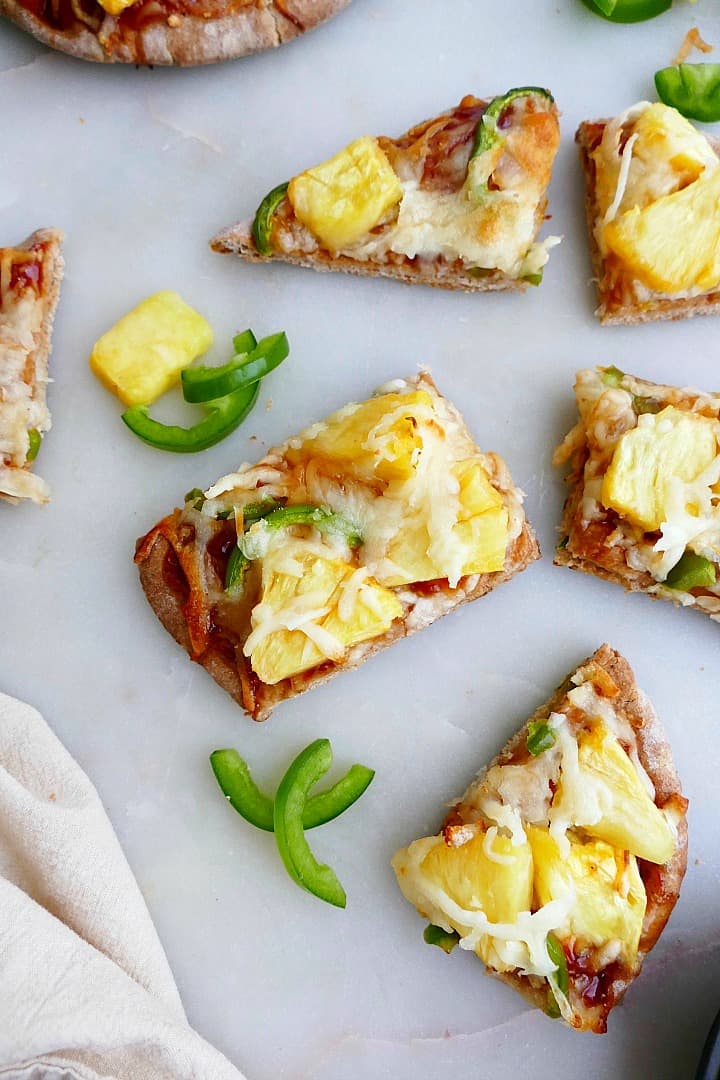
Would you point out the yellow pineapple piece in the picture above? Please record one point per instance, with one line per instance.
(481, 529)
(302, 589)
(142, 355)
(671, 443)
(674, 243)
(477, 883)
(344, 198)
(630, 819)
(610, 897)
(116, 7)
(378, 439)
(664, 135)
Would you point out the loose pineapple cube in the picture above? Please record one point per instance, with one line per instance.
(314, 587)
(379, 439)
(630, 819)
(674, 243)
(477, 883)
(481, 530)
(142, 355)
(344, 198)
(671, 443)
(610, 897)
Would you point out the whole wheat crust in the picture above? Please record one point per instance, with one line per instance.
(53, 267)
(662, 883)
(438, 272)
(181, 39)
(168, 602)
(611, 309)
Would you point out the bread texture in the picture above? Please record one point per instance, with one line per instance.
(30, 277)
(618, 302)
(294, 244)
(181, 39)
(164, 573)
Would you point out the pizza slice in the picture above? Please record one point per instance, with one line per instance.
(182, 32)
(643, 508)
(359, 531)
(561, 863)
(30, 276)
(653, 210)
(457, 202)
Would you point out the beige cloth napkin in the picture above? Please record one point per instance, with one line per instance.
(85, 989)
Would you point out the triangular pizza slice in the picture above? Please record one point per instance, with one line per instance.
(561, 863)
(30, 276)
(457, 202)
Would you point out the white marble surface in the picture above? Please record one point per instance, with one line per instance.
(140, 168)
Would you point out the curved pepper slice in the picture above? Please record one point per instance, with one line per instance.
(243, 794)
(435, 935)
(540, 737)
(322, 518)
(557, 954)
(300, 863)
(489, 134)
(263, 218)
(202, 384)
(692, 89)
(628, 11)
(34, 444)
(244, 343)
(224, 415)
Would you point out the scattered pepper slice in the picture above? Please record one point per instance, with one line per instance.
(290, 801)
(628, 11)
(540, 737)
(322, 518)
(233, 775)
(224, 415)
(692, 89)
(489, 140)
(435, 935)
(34, 444)
(202, 384)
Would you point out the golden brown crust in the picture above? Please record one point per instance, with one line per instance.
(259, 700)
(182, 39)
(662, 883)
(48, 244)
(614, 307)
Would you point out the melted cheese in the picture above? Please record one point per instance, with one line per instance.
(496, 233)
(692, 519)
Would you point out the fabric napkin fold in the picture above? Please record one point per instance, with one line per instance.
(85, 988)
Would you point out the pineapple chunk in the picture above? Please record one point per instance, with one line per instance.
(344, 198)
(142, 355)
(476, 883)
(664, 135)
(630, 819)
(674, 243)
(116, 7)
(379, 439)
(481, 530)
(313, 589)
(610, 897)
(671, 443)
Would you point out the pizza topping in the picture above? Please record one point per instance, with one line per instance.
(345, 198)
(628, 11)
(248, 366)
(143, 354)
(656, 184)
(223, 417)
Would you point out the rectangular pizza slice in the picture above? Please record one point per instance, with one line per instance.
(359, 531)
(560, 865)
(30, 276)
(457, 202)
(643, 508)
(653, 211)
